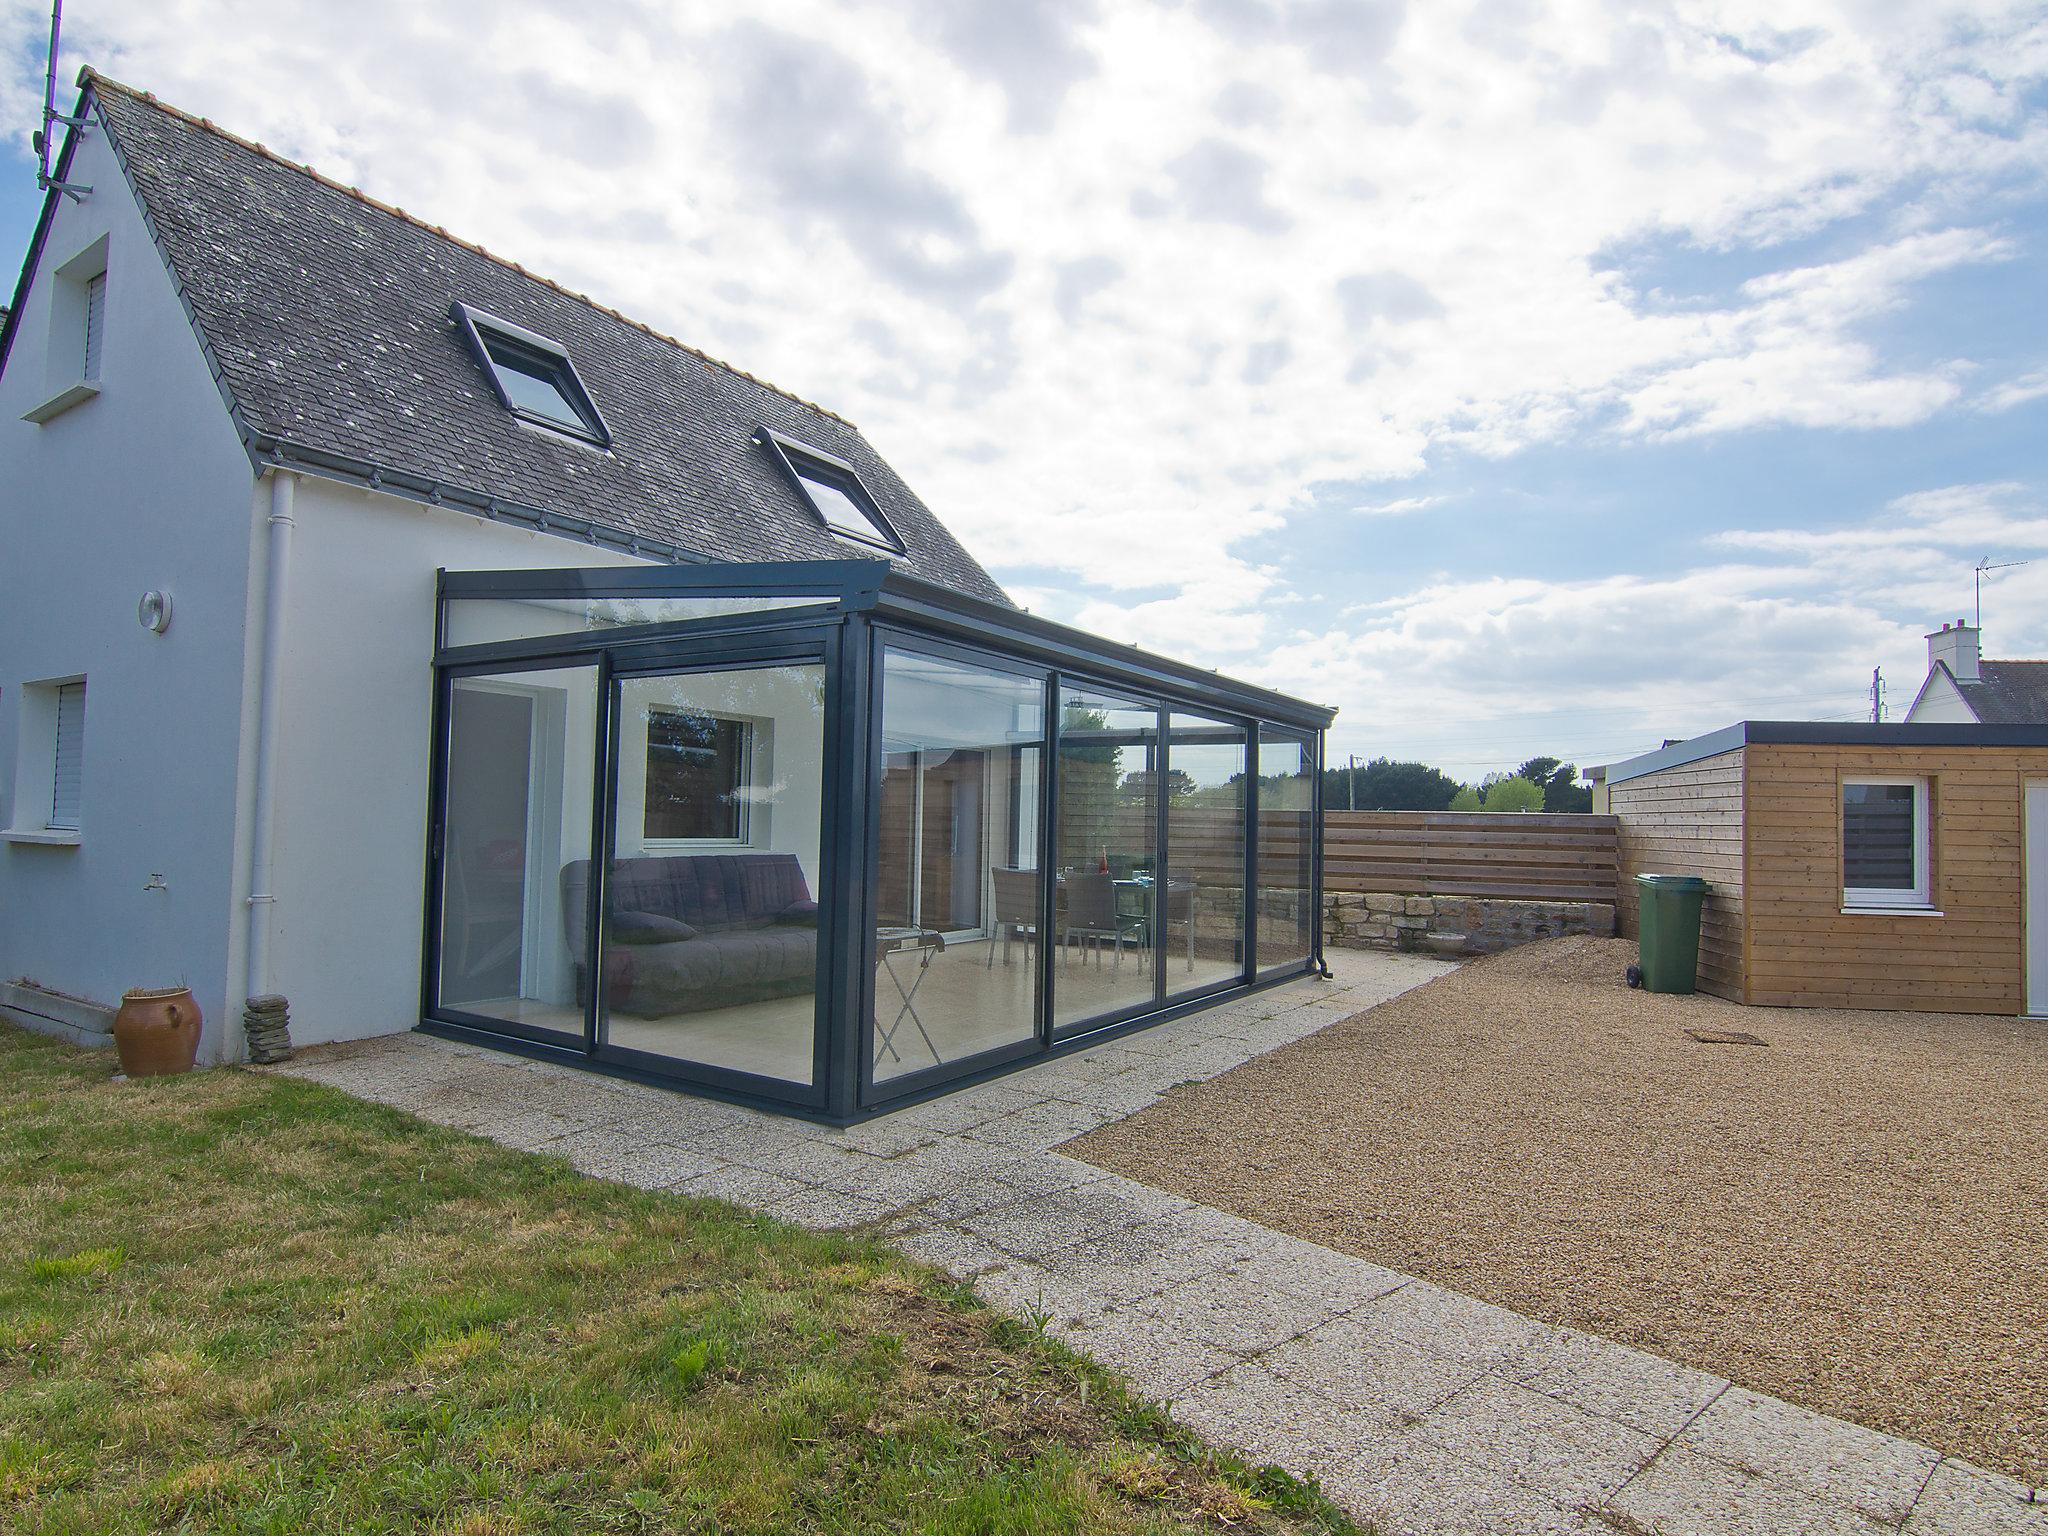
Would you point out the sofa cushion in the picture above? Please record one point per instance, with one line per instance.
(648, 928)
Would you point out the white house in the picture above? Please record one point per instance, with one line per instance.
(233, 390)
(280, 713)
(1962, 688)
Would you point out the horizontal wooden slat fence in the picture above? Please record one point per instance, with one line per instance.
(1528, 856)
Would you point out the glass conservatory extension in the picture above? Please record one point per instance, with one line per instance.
(826, 838)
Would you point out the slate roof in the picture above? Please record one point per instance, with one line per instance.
(327, 317)
(2007, 692)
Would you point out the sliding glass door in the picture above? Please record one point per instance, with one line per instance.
(958, 889)
(1286, 876)
(1106, 858)
(711, 959)
(515, 815)
(1202, 904)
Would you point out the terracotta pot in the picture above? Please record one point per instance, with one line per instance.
(157, 1031)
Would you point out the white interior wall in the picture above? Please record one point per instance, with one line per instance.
(786, 705)
(141, 487)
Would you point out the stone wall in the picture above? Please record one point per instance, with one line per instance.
(1389, 920)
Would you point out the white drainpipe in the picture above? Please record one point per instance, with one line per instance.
(277, 569)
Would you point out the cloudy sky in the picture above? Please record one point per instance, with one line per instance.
(1515, 377)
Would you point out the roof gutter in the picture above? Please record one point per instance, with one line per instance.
(277, 568)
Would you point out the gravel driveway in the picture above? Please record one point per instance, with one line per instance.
(1853, 1215)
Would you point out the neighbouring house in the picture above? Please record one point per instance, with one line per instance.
(387, 628)
(1961, 688)
(1853, 865)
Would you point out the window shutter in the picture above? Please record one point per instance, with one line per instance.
(95, 323)
(70, 772)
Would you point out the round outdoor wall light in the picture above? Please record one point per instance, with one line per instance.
(153, 613)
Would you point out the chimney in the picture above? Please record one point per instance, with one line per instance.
(1956, 645)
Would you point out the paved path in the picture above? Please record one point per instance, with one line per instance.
(1417, 1408)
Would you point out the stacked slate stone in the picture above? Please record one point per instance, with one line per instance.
(267, 1020)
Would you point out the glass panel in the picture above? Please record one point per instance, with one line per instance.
(1878, 841)
(1203, 906)
(711, 952)
(1287, 915)
(839, 509)
(1107, 828)
(958, 887)
(535, 384)
(516, 835)
(487, 620)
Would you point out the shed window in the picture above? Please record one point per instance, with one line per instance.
(68, 774)
(533, 375)
(1884, 843)
(699, 778)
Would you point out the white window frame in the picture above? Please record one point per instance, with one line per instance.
(75, 353)
(35, 816)
(1878, 899)
(754, 760)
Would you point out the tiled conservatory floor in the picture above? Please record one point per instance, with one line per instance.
(967, 1001)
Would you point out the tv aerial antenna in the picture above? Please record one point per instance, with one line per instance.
(1984, 568)
(45, 182)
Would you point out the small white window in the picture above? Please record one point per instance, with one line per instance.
(1885, 843)
(95, 325)
(68, 776)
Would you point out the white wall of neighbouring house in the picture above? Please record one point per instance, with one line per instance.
(143, 486)
(1941, 702)
(354, 750)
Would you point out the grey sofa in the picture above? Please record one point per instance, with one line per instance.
(691, 932)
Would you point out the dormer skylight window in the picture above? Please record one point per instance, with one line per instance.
(533, 376)
(833, 490)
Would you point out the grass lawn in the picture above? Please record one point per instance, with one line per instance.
(242, 1303)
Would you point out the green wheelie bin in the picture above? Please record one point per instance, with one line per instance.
(1668, 927)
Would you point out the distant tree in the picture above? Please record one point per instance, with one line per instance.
(1559, 782)
(1466, 799)
(1387, 785)
(1514, 793)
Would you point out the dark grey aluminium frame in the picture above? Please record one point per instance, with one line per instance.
(843, 614)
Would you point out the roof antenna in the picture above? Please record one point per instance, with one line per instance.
(1986, 565)
(41, 141)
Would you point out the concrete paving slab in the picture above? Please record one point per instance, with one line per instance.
(1370, 1370)
(1409, 1486)
(1683, 1493)
(1243, 1319)
(1041, 1223)
(1961, 1500)
(1877, 1474)
(1572, 1458)
(1623, 1384)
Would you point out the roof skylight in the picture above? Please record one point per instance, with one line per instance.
(834, 490)
(533, 376)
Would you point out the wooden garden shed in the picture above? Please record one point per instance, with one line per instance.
(1853, 865)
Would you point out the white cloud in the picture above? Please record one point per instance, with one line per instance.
(1118, 285)
(2013, 392)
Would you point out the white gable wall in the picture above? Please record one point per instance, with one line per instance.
(1941, 702)
(144, 486)
(354, 752)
